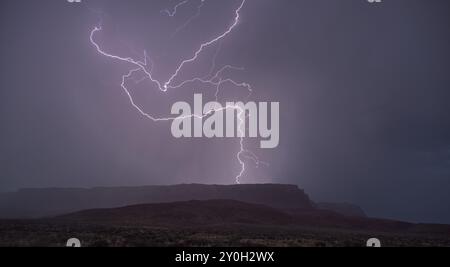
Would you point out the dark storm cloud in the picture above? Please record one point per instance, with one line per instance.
(364, 93)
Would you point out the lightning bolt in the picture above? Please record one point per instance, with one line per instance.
(174, 11)
(213, 79)
(207, 44)
(191, 19)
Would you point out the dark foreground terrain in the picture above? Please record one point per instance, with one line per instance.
(215, 223)
(49, 234)
(43, 234)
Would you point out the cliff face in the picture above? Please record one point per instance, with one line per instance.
(36, 203)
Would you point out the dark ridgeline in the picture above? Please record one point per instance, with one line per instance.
(37, 203)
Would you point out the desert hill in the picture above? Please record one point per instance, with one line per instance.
(182, 214)
(218, 213)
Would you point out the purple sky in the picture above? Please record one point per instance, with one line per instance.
(363, 90)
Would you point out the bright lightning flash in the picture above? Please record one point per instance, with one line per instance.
(213, 80)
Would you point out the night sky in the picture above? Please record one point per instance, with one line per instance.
(364, 92)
